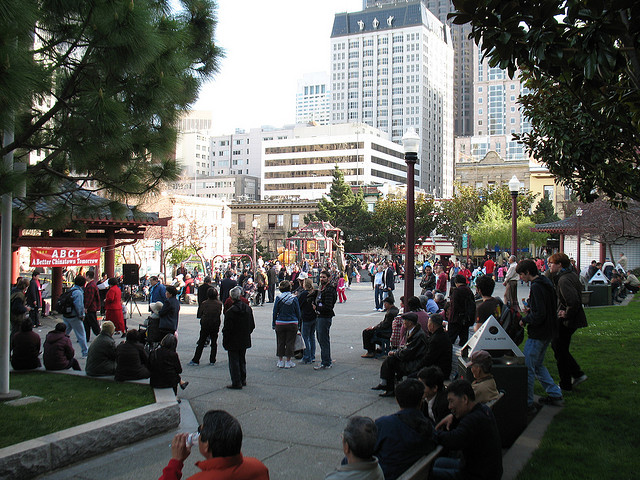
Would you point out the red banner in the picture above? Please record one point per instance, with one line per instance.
(64, 257)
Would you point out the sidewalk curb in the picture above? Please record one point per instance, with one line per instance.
(44, 454)
(517, 456)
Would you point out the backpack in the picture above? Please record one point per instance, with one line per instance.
(64, 304)
(510, 321)
(469, 311)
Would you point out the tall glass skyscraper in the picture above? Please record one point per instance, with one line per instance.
(392, 68)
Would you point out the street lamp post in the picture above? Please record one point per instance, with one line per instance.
(514, 187)
(579, 215)
(411, 143)
(254, 224)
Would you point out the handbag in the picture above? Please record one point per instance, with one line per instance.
(299, 346)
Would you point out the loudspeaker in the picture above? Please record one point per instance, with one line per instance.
(130, 274)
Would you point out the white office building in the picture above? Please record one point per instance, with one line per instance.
(192, 153)
(392, 68)
(228, 187)
(302, 166)
(241, 152)
(313, 99)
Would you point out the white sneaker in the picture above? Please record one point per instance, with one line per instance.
(280, 364)
(289, 364)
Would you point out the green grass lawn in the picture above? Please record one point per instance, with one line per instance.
(596, 434)
(69, 401)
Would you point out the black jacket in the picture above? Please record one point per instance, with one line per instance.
(414, 350)
(306, 299)
(325, 300)
(542, 316)
(388, 279)
(202, 293)
(428, 283)
(439, 352)
(209, 313)
(476, 434)
(238, 325)
(460, 297)
(225, 287)
(34, 298)
(165, 368)
(440, 407)
(569, 291)
(131, 362)
(387, 323)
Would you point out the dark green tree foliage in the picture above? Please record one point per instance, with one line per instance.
(389, 220)
(581, 62)
(98, 86)
(544, 212)
(347, 211)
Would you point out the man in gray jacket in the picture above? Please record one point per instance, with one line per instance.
(358, 444)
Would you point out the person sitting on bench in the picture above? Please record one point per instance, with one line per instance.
(471, 428)
(406, 359)
(405, 436)
(372, 335)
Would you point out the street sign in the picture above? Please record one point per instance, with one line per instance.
(465, 240)
(158, 245)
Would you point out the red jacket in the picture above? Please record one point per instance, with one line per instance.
(220, 468)
(91, 297)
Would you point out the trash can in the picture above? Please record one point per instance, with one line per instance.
(600, 294)
(510, 374)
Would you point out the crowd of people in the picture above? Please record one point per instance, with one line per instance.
(414, 339)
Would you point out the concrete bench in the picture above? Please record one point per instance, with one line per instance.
(420, 470)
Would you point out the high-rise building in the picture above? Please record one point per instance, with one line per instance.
(313, 99)
(464, 62)
(195, 121)
(497, 111)
(392, 68)
(464, 66)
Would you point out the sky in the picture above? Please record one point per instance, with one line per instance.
(268, 45)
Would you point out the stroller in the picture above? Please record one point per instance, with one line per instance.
(250, 291)
(151, 327)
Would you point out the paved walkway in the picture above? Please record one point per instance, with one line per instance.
(291, 419)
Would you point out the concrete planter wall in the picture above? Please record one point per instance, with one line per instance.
(35, 457)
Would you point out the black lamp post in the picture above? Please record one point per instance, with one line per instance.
(579, 215)
(514, 188)
(411, 143)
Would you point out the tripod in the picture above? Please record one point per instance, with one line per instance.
(132, 302)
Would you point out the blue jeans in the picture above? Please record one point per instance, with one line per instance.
(378, 296)
(446, 468)
(534, 351)
(323, 326)
(77, 326)
(308, 335)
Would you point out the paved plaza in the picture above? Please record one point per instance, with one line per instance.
(291, 419)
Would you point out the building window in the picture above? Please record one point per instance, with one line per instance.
(548, 192)
(295, 220)
(242, 221)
